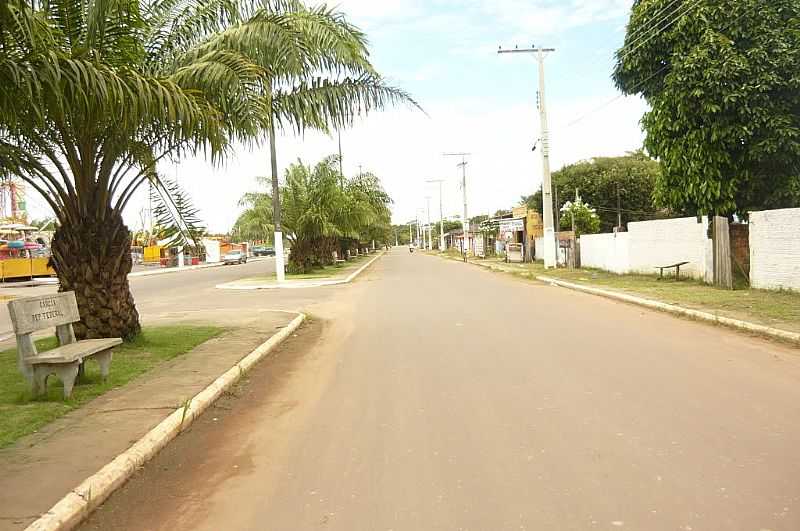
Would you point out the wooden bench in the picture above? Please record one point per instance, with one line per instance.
(60, 310)
(677, 269)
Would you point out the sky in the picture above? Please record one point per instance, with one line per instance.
(444, 52)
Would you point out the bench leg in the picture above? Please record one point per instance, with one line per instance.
(39, 380)
(67, 373)
(677, 273)
(104, 359)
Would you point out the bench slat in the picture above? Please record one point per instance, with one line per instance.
(75, 351)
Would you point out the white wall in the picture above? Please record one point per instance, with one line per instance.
(538, 244)
(212, 251)
(606, 251)
(669, 241)
(775, 249)
(649, 244)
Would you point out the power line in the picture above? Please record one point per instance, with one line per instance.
(662, 29)
(658, 27)
(642, 30)
(644, 81)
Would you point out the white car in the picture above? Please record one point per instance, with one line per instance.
(234, 257)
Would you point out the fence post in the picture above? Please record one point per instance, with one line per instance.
(723, 274)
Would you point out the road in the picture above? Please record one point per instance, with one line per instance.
(158, 294)
(433, 395)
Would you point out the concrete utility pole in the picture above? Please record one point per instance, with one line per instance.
(547, 207)
(441, 213)
(430, 229)
(421, 229)
(465, 219)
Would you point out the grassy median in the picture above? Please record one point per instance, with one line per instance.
(21, 414)
(334, 270)
(779, 309)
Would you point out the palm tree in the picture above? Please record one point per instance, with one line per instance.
(115, 87)
(328, 83)
(323, 212)
(255, 222)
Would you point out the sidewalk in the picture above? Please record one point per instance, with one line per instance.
(330, 277)
(748, 309)
(39, 469)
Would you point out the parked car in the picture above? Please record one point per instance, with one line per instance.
(261, 250)
(234, 256)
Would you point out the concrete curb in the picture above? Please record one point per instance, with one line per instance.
(671, 308)
(300, 284)
(767, 331)
(93, 491)
(167, 270)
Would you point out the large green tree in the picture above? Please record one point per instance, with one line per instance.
(722, 78)
(116, 86)
(601, 181)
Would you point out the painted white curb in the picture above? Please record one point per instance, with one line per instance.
(299, 284)
(86, 497)
(671, 308)
(166, 270)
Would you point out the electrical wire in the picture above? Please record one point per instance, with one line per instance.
(641, 83)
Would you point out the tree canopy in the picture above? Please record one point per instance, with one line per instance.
(323, 212)
(597, 181)
(722, 78)
(113, 88)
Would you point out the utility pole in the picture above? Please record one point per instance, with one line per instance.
(619, 210)
(430, 229)
(465, 219)
(416, 242)
(549, 233)
(441, 213)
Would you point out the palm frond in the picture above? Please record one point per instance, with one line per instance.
(175, 215)
(324, 103)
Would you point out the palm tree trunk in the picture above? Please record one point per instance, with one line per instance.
(93, 259)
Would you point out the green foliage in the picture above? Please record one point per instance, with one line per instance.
(723, 83)
(323, 212)
(175, 216)
(113, 88)
(585, 217)
(597, 180)
(255, 222)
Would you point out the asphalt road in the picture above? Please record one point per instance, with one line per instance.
(157, 294)
(433, 395)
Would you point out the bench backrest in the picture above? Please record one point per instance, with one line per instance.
(32, 314)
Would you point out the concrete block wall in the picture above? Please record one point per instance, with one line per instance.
(609, 252)
(669, 241)
(649, 244)
(775, 249)
(538, 248)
